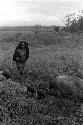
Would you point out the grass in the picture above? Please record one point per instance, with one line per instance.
(49, 57)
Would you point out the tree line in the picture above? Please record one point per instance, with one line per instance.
(74, 22)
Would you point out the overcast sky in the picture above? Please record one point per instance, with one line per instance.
(33, 12)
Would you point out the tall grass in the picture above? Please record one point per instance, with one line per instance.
(49, 56)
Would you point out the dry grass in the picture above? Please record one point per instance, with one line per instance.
(45, 62)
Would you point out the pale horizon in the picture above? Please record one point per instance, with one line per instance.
(37, 12)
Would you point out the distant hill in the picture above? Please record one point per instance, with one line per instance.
(27, 28)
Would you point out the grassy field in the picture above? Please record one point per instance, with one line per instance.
(50, 55)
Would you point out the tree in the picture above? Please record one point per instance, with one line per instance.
(80, 23)
(74, 22)
(74, 27)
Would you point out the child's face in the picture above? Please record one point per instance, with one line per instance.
(22, 44)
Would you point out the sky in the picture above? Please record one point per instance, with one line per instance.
(37, 12)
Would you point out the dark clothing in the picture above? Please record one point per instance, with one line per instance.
(21, 54)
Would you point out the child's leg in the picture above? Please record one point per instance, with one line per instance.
(22, 69)
(22, 66)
